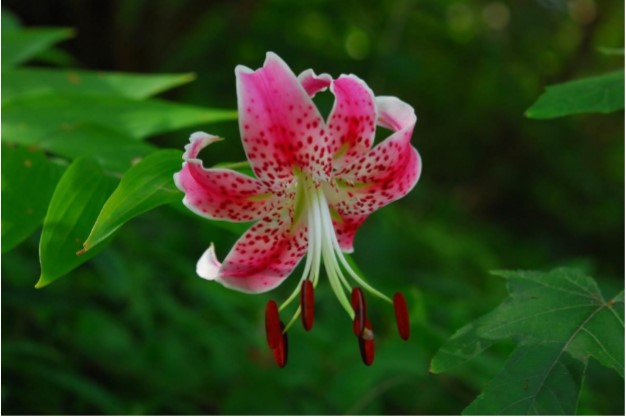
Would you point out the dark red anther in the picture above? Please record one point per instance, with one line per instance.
(272, 324)
(307, 304)
(282, 348)
(360, 310)
(366, 344)
(402, 315)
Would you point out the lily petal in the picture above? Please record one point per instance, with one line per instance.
(208, 266)
(264, 256)
(386, 173)
(279, 123)
(220, 193)
(314, 83)
(352, 121)
(345, 229)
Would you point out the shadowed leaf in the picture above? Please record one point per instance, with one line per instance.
(560, 319)
(28, 181)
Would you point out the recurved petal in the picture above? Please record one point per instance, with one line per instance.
(387, 172)
(264, 256)
(281, 128)
(208, 266)
(314, 83)
(352, 121)
(220, 193)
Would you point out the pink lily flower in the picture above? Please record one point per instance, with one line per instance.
(316, 182)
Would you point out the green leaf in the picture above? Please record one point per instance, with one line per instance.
(21, 45)
(55, 56)
(606, 50)
(28, 181)
(563, 319)
(601, 94)
(75, 204)
(10, 22)
(147, 185)
(35, 81)
(29, 119)
(535, 380)
(114, 151)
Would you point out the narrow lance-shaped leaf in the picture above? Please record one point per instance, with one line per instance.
(143, 187)
(30, 119)
(562, 318)
(113, 150)
(601, 94)
(28, 181)
(34, 81)
(19, 46)
(75, 204)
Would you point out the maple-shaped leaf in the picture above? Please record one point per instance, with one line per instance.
(558, 319)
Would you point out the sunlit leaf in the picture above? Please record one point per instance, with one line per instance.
(559, 319)
(75, 204)
(601, 94)
(145, 186)
(28, 181)
(34, 81)
(21, 45)
(30, 119)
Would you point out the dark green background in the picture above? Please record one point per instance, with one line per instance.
(135, 331)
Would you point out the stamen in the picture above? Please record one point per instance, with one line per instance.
(272, 324)
(366, 344)
(325, 232)
(335, 245)
(402, 315)
(307, 304)
(282, 348)
(358, 304)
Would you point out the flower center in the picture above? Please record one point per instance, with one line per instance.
(323, 247)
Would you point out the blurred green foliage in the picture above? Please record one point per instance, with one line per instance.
(134, 331)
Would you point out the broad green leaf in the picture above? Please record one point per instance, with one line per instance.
(29, 119)
(28, 181)
(147, 185)
(601, 94)
(75, 204)
(21, 45)
(537, 380)
(562, 317)
(114, 151)
(34, 81)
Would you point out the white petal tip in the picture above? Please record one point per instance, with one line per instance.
(208, 266)
(197, 142)
(242, 69)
